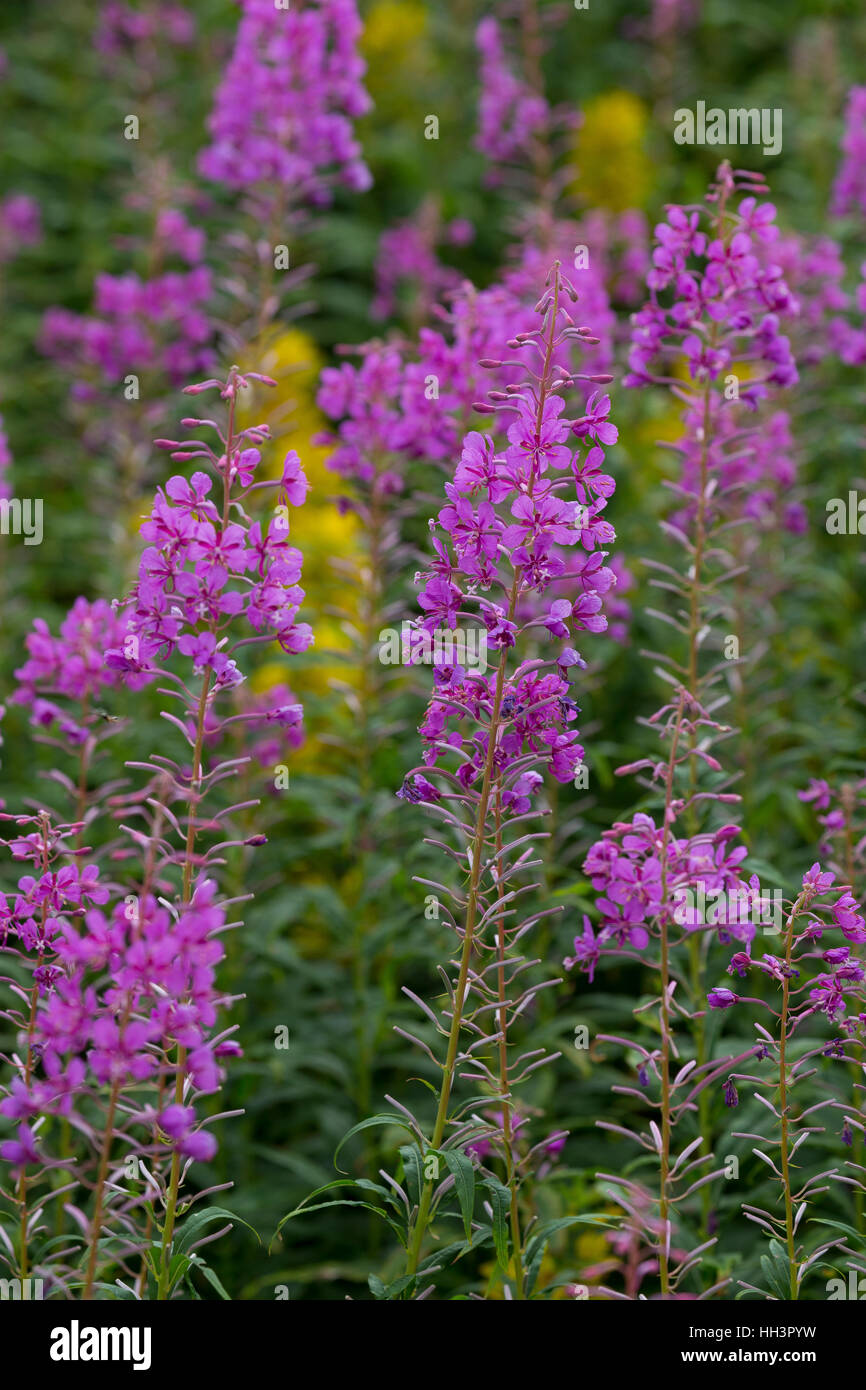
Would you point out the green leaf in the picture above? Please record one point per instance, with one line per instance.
(196, 1223)
(533, 1267)
(196, 1262)
(777, 1270)
(363, 1183)
(344, 1202)
(460, 1164)
(400, 1285)
(543, 1233)
(413, 1172)
(536, 1247)
(123, 1295)
(500, 1199)
(368, 1124)
(839, 1226)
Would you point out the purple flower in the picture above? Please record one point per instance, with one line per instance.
(816, 880)
(510, 112)
(177, 1122)
(722, 998)
(586, 951)
(849, 190)
(417, 788)
(283, 111)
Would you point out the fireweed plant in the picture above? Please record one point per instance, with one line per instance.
(713, 304)
(149, 330)
(408, 404)
(117, 1012)
(840, 811)
(281, 139)
(150, 327)
(490, 738)
(401, 410)
(408, 270)
(815, 973)
(371, 467)
(528, 142)
(724, 329)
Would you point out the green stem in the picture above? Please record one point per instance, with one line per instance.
(422, 1219)
(174, 1175)
(665, 1012)
(783, 1102)
(504, 1085)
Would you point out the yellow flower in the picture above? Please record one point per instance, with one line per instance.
(613, 170)
(319, 529)
(394, 44)
(591, 1247)
(391, 26)
(271, 674)
(290, 348)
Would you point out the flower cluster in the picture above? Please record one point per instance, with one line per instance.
(70, 666)
(20, 225)
(504, 533)
(206, 563)
(510, 112)
(283, 110)
(839, 972)
(404, 403)
(727, 302)
(407, 253)
(849, 189)
(843, 817)
(645, 878)
(114, 995)
(814, 270)
(123, 30)
(141, 325)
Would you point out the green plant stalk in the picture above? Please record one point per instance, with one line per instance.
(783, 1101)
(101, 1176)
(665, 1011)
(195, 792)
(696, 580)
(422, 1219)
(855, 1072)
(105, 1151)
(504, 1086)
(174, 1176)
